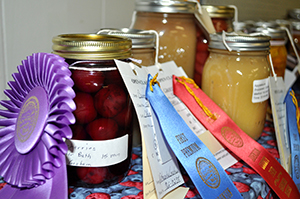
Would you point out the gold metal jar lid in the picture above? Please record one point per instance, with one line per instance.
(91, 46)
(219, 11)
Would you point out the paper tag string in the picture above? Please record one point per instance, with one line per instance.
(204, 108)
(156, 43)
(235, 22)
(153, 81)
(272, 67)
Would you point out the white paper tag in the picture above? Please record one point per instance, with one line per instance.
(277, 95)
(102, 153)
(163, 163)
(260, 90)
(290, 77)
(165, 80)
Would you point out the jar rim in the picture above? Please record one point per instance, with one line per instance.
(215, 11)
(274, 33)
(296, 25)
(139, 38)
(91, 46)
(294, 13)
(165, 6)
(240, 42)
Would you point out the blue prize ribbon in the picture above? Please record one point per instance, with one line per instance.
(293, 133)
(204, 170)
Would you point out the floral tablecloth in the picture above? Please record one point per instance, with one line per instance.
(249, 183)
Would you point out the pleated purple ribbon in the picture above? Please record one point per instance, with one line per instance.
(34, 124)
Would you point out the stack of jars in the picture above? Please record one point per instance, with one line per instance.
(226, 68)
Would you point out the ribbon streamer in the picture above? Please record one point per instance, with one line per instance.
(231, 136)
(204, 170)
(293, 130)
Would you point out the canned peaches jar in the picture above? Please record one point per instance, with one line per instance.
(237, 79)
(175, 24)
(278, 49)
(143, 43)
(222, 18)
(99, 152)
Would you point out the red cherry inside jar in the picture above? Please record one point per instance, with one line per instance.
(103, 112)
(88, 80)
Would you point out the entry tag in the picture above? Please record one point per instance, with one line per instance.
(165, 73)
(204, 20)
(164, 168)
(290, 77)
(277, 95)
(204, 170)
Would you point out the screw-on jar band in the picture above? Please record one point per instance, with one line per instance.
(165, 6)
(92, 46)
(236, 42)
(139, 38)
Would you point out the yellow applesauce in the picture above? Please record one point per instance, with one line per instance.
(175, 24)
(228, 80)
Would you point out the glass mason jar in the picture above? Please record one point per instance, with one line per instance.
(222, 19)
(100, 150)
(229, 78)
(278, 49)
(143, 43)
(296, 36)
(175, 24)
(294, 14)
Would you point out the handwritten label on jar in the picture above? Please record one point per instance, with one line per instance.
(260, 90)
(102, 153)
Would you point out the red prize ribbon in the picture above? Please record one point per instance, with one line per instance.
(230, 135)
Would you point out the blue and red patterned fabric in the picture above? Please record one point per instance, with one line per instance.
(249, 183)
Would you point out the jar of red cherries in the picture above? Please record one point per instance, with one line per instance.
(99, 152)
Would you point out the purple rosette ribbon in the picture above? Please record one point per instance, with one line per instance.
(34, 125)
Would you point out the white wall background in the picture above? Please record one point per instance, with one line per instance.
(27, 26)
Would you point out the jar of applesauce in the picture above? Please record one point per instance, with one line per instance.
(143, 43)
(222, 18)
(100, 151)
(175, 24)
(237, 79)
(278, 49)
